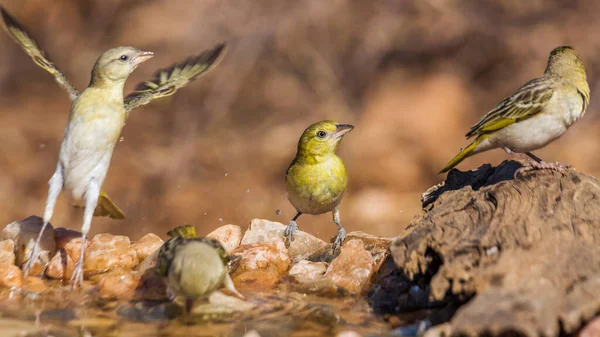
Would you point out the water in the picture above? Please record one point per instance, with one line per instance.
(59, 311)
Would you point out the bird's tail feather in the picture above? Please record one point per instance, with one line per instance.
(185, 231)
(463, 154)
(107, 207)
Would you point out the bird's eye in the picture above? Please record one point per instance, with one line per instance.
(124, 57)
(321, 134)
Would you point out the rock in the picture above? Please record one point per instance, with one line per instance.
(526, 249)
(24, 233)
(230, 236)
(11, 276)
(591, 329)
(148, 263)
(70, 241)
(34, 284)
(353, 268)
(303, 246)
(261, 264)
(108, 252)
(379, 247)
(348, 333)
(307, 271)
(118, 284)
(147, 245)
(61, 266)
(7, 252)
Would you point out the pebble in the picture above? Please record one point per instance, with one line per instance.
(11, 276)
(7, 252)
(591, 329)
(107, 252)
(61, 266)
(261, 264)
(303, 245)
(147, 245)
(307, 271)
(353, 268)
(229, 236)
(118, 284)
(379, 247)
(24, 233)
(70, 241)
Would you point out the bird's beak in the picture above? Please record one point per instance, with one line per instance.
(142, 57)
(342, 129)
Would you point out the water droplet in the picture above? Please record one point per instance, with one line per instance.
(226, 174)
(178, 186)
(205, 213)
(278, 212)
(121, 139)
(247, 190)
(42, 146)
(220, 219)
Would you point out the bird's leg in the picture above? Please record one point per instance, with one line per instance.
(341, 235)
(91, 200)
(290, 229)
(533, 162)
(55, 186)
(228, 283)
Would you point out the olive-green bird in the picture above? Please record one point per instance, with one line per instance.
(194, 267)
(538, 113)
(96, 119)
(317, 178)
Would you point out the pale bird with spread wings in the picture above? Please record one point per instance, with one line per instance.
(538, 113)
(96, 119)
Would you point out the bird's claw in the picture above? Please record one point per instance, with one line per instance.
(339, 239)
(77, 277)
(289, 232)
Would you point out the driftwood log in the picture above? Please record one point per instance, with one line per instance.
(523, 251)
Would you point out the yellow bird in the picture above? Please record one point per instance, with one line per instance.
(538, 113)
(96, 119)
(193, 266)
(317, 178)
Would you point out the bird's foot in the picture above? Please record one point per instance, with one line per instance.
(339, 239)
(32, 258)
(77, 277)
(289, 232)
(531, 166)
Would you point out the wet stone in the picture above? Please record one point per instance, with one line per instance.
(147, 245)
(34, 284)
(353, 268)
(61, 266)
(261, 264)
(70, 241)
(24, 233)
(7, 252)
(379, 247)
(303, 245)
(107, 252)
(307, 271)
(148, 263)
(591, 329)
(11, 276)
(229, 236)
(118, 284)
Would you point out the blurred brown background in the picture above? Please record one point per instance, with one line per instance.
(412, 76)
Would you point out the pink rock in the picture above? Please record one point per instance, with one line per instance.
(348, 333)
(34, 284)
(229, 236)
(591, 329)
(7, 252)
(10, 276)
(307, 271)
(261, 264)
(353, 268)
(107, 252)
(70, 241)
(300, 248)
(147, 245)
(61, 266)
(24, 233)
(148, 263)
(118, 284)
(378, 246)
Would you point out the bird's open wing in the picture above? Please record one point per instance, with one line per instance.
(527, 102)
(167, 81)
(19, 34)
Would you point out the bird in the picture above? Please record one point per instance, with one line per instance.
(96, 118)
(194, 267)
(538, 113)
(317, 178)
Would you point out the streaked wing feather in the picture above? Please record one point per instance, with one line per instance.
(167, 81)
(18, 33)
(527, 102)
